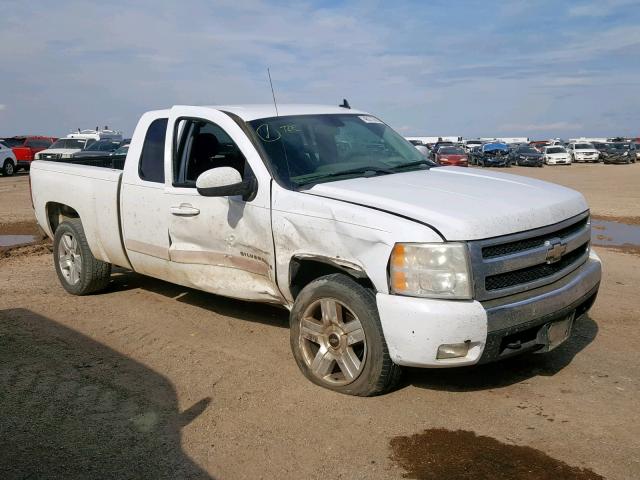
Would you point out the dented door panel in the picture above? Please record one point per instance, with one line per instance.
(225, 249)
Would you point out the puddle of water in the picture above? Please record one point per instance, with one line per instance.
(15, 240)
(439, 454)
(614, 234)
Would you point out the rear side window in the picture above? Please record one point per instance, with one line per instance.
(151, 167)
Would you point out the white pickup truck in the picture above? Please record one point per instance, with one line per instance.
(384, 259)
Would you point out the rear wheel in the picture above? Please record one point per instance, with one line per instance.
(337, 339)
(8, 168)
(79, 272)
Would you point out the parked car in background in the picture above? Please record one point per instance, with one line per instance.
(556, 155)
(620, 152)
(25, 148)
(8, 160)
(494, 154)
(121, 151)
(64, 148)
(471, 144)
(98, 148)
(75, 142)
(451, 156)
(601, 147)
(583, 152)
(526, 156)
(420, 146)
(438, 145)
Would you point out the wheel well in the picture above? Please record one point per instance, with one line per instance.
(303, 271)
(58, 213)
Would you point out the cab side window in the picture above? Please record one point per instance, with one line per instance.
(202, 145)
(151, 166)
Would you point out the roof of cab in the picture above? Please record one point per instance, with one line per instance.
(267, 110)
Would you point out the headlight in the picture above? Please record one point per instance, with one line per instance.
(65, 155)
(439, 270)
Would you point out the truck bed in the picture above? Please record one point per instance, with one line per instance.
(92, 191)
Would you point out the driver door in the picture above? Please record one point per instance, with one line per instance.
(222, 245)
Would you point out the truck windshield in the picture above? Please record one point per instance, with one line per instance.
(583, 146)
(68, 143)
(310, 149)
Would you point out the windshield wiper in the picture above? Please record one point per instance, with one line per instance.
(426, 162)
(363, 171)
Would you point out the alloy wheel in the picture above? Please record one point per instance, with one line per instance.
(70, 259)
(332, 342)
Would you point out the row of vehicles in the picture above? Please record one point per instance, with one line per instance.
(17, 153)
(530, 154)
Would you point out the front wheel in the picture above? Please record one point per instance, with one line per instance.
(337, 339)
(8, 168)
(79, 272)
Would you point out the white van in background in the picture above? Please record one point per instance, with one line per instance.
(583, 152)
(76, 142)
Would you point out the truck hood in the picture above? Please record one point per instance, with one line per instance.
(462, 204)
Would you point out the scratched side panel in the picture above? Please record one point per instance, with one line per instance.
(305, 224)
(226, 249)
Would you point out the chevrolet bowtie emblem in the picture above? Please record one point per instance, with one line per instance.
(555, 250)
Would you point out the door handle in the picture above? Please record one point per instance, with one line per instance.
(184, 210)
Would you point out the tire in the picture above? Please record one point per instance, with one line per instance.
(8, 168)
(349, 357)
(70, 249)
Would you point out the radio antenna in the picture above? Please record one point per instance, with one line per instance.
(275, 104)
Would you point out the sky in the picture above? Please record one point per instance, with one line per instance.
(535, 68)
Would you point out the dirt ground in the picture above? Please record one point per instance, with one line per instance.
(152, 380)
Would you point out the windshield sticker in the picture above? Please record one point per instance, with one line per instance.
(267, 133)
(369, 119)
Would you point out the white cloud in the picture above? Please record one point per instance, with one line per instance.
(600, 8)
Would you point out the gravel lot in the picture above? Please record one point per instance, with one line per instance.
(152, 380)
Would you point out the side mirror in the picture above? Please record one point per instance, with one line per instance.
(225, 182)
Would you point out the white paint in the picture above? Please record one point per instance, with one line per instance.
(218, 177)
(462, 204)
(414, 328)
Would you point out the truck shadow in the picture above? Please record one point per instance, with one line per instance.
(264, 313)
(506, 372)
(73, 408)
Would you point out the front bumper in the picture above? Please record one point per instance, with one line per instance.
(492, 162)
(584, 158)
(414, 328)
(529, 161)
(618, 159)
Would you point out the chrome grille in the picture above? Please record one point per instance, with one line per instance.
(516, 263)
